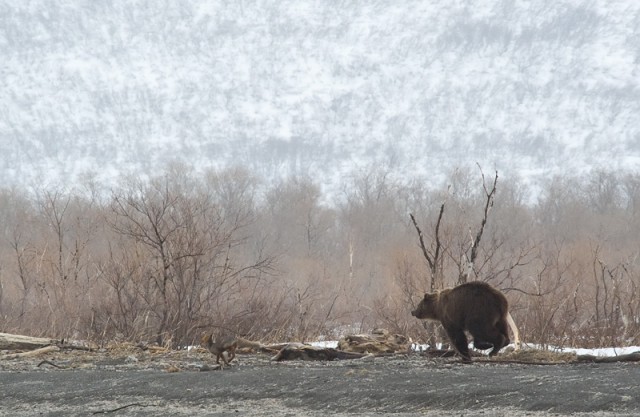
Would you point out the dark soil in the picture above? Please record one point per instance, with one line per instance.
(137, 383)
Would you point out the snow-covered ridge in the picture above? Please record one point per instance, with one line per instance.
(318, 88)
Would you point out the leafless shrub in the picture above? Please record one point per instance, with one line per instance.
(166, 258)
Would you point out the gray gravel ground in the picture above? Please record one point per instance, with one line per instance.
(139, 384)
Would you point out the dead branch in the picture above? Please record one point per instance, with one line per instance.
(432, 259)
(490, 196)
(531, 294)
(121, 408)
(425, 252)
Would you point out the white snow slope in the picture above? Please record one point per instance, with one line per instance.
(320, 88)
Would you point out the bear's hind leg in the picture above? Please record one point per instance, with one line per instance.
(459, 340)
(482, 345)
(488, 336)
(501, 337)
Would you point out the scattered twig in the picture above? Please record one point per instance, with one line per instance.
(122, 408)
(439, 353)
(46, 362)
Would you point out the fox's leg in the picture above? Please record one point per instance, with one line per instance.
(232, 353)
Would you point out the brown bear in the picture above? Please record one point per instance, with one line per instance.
(475, 307)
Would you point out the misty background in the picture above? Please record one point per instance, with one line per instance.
(319, 89)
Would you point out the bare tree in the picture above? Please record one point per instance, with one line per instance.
(489, 194)
(434, 256)
(191, 244)
(166, 257)
(25, 257)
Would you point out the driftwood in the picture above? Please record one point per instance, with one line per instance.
(36, 352)
(245, 345)
(293, 351)
(631, 357)
(533, 357)
(19, 342)
(275, 347)
(379, 341)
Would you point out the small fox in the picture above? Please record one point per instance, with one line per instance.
(218, 347)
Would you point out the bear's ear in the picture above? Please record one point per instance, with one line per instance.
(427, 296)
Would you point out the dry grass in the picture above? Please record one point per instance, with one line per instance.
(535, 355)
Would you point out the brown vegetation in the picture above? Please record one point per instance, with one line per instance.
(166, 258)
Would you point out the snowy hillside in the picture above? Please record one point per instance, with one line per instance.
(317, 87)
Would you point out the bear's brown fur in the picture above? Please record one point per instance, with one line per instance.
(475, 307)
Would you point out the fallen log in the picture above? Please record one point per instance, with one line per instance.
(379, 341)
(36, 352)
(630, 357)
(304, 352)
(245, 345)
(20, 342)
